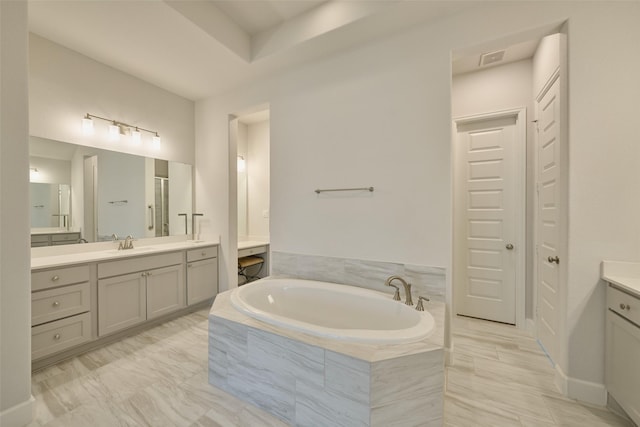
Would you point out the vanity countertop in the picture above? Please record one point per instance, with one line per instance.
(51, 230)
(109, 251)
(252, 244)
(625, 275)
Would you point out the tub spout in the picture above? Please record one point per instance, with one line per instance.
(407, 288)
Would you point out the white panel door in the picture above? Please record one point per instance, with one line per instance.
(486, 286)
(548, 218)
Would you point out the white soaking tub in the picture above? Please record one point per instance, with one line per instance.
(334, 311)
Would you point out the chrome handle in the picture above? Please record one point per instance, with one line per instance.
(143, 274)
(509, 246)
(55, 278)
(553, 259)
(56, 304)
(420, 305)
(56, 337)
(148, 273)
(624, 306)
(152, 218)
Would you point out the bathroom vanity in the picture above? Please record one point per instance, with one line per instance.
(622, 376)
(81, 300)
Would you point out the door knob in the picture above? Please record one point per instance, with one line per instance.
(509, 246)
(553, 259)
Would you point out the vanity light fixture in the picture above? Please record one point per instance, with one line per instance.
(114, 131)
(156, 141)
(242, 164)
(136, 136)
(34, 173)
(117, 128)
(87, 125)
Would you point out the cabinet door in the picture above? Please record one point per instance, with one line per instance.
(623, 354)
(121, 302)
(202, 280)
(165, 290)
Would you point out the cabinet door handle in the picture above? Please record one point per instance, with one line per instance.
(189, 265)
(203, 253)
(148, 273)
(55, 278)
(553, 259)
(624, 306)
(56, 337)
(56, 303)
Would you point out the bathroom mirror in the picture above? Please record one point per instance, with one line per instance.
(99, 192)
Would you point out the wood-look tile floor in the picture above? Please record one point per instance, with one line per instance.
(499, 377)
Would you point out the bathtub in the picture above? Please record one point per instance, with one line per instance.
(333, 311)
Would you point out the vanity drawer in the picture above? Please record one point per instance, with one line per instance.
(65, 238)
(251, 251)
(202, 253)
(138, 263)
(59, 277)
(59, 335)
(624, 304)
(40, 238)
(58, 303)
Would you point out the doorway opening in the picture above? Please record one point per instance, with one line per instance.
(496, 229)
(249, 168)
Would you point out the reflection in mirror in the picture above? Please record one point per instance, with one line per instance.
(99, 193)
(50, 205)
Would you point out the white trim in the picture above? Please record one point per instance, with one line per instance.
(584, 391)
(531, 326)
(18, 415)
(521, 162)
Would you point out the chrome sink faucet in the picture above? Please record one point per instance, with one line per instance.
(127, 244)
(407, 288)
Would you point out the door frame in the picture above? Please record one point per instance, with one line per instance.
(520, 215)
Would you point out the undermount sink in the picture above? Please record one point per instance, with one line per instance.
(132, 251)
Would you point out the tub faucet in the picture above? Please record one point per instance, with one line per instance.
(407, 288)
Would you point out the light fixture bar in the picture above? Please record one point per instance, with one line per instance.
(118, 123)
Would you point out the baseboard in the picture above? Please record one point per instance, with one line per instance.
(18, 415)
(584, 391)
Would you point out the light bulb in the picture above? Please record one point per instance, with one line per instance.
(156, 141)
(136, 136)
(114, 132)
(242, 164)
(87, 126)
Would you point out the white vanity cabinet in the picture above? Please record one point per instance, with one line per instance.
(623, 349)
(151, 287)
(60, 309)
(202, 274)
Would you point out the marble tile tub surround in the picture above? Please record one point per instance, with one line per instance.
(314, 381)
(425, 280)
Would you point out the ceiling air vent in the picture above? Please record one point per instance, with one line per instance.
(491, 58)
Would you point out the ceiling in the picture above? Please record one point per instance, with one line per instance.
(201, 48)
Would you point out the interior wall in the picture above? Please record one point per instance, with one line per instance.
(380, 115)
(504, 87)
(258, 180)
(51, 171)
(65, 85)
(15, 283)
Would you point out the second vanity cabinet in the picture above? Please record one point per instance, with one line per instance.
(202, 274)
(151, 286)
(623, 349)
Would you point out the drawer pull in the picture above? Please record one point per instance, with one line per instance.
(624, 306)
(56, 303)
(203, 253)
(56, 337)
(55, 278)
